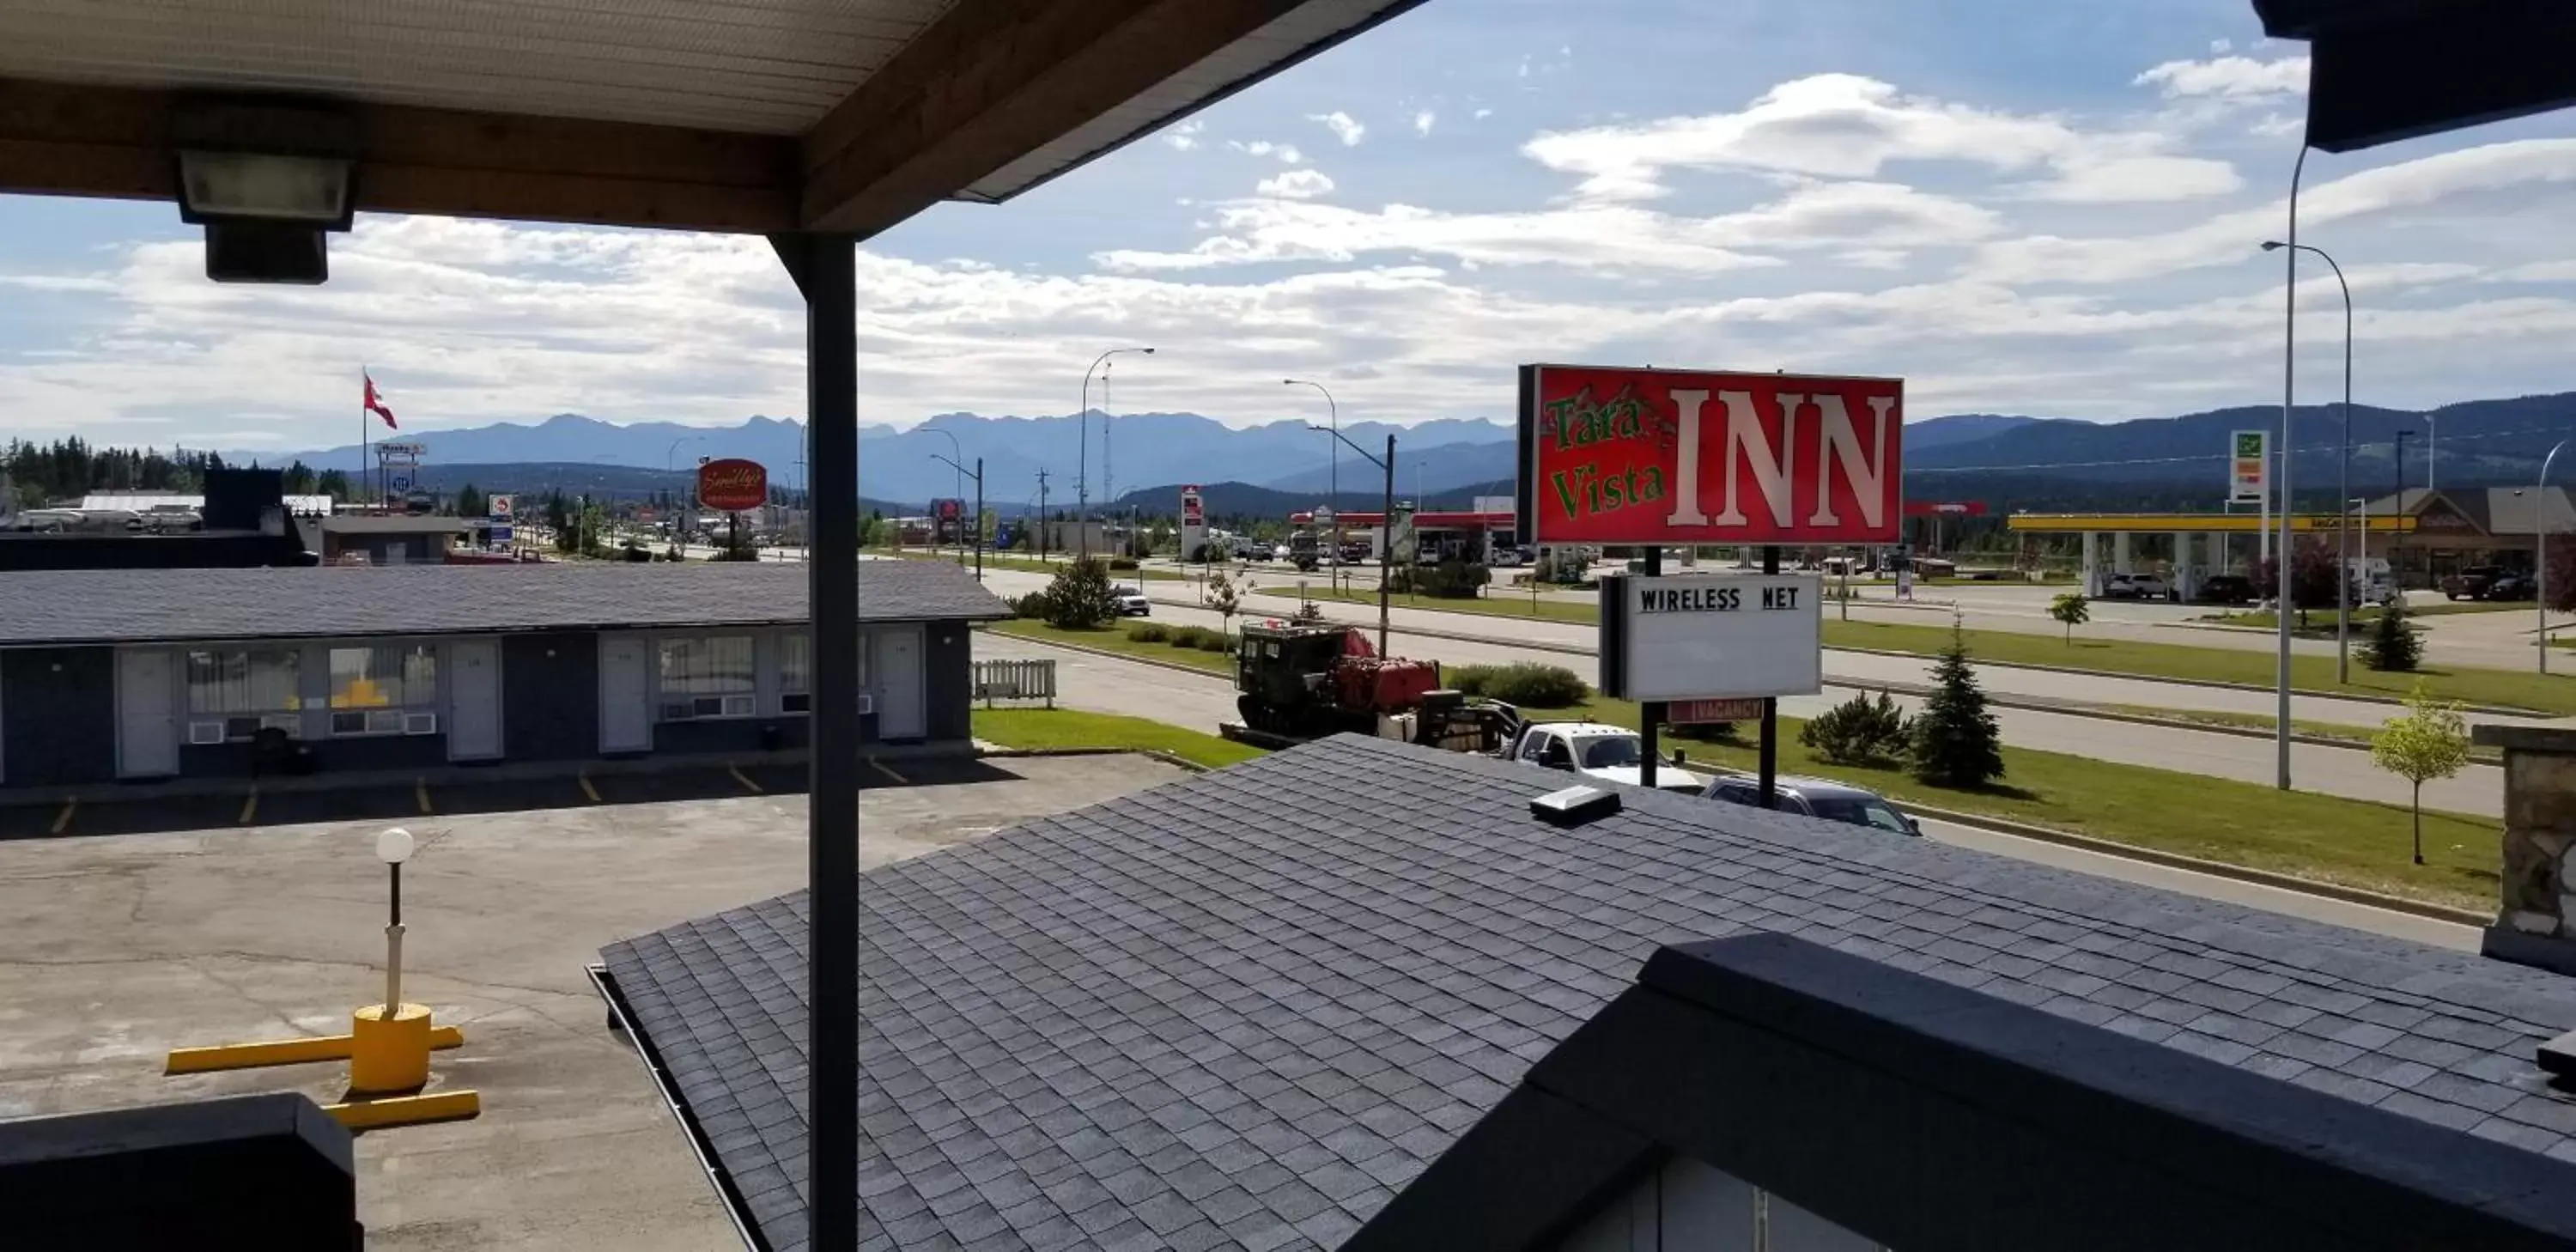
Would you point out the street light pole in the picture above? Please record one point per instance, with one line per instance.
(978, 476)
(1333, 482)
(955, 463)
(1082, 462)
(1385, 523)
(2343, 481)
(2540, 546)
(2283, 558)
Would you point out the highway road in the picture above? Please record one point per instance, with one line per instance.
(1109, 685)
(2478, 790)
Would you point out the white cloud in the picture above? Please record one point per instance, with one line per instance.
(2138, 179)
(1846, 126)
(1583, 236)
(1286, 152)
(1184, 136)
(2228, 78)
(1482, 114)
(1423, 122)
(2217, 46)
(1343, 125)
(2278, 126)
(1295, 184)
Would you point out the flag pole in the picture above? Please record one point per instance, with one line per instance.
(363, 380)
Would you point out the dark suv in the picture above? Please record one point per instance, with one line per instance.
(2227, 589)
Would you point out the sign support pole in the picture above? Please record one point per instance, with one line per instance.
(1770, 761)
(1650, 713)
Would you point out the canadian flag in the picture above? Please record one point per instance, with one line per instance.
(376, 404)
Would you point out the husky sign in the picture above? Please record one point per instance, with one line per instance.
(1615, 456)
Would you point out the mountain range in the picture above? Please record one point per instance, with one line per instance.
(2007, 461)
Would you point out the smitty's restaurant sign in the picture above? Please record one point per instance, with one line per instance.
(1640, 456)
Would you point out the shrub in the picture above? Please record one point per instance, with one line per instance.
(2394, 644)
(1122, 564)
(1310, 611)
(1708, 732)
(1858, 731)
(1079, 597)
(1524, 683)
(1955, 742)
(1213, 641)
(1033, 606)
(1150, 632)
(1196, 637)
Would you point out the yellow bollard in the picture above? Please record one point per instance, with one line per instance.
(389, 1054)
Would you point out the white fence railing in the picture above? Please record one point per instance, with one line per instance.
(1015, 680)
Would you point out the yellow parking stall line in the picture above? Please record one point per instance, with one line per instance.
(743, 778)
(63, 820)
(446, 1106)
(250, 807)
(420, 792)
(587, 789)
(887, 770)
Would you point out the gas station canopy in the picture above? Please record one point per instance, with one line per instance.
(2197, 523)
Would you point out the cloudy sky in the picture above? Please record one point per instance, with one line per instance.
(2019, 208)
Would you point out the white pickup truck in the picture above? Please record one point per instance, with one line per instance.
(1593, 750)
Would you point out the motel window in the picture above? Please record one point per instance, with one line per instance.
(388, 689)
(234, 693)
(710, 676)
(795, 674)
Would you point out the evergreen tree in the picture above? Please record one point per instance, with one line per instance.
(2394, 645)
(1955, 740)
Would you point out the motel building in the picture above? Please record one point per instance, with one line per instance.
(133, 676)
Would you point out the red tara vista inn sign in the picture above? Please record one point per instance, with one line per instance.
(1634, 456)
(732, 485)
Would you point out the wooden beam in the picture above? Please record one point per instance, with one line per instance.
(61, 139)
(992, 81)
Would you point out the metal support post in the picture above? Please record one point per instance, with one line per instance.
(824, 267)
(1768, 765)
(1650, 713)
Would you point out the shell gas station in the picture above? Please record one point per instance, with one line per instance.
(2198, 544)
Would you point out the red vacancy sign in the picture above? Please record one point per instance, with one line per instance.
(1702, 712)
(732, 485)
(1634, 456)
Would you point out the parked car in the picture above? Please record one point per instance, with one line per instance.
(1504, 556)
(2487, 582)
(1132, 602)
(2228, 589)
(1261, 552)
(2137, 587)
(1593, 750)
(1816, 797)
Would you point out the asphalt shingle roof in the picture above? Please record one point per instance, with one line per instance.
(141, 605)
(1243, 1010)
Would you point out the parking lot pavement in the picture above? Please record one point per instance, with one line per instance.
(119, 947)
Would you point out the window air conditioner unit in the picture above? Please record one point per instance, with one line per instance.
(740, 706)
(205, 732)
(420, 723)
(354, 723)
(678, 710)
(867, 703)
(796, 702)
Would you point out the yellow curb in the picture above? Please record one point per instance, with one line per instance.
(587, 789)
(225, 1056)
(420, 792)
(250, 808)
(411, 1110)
(63, 820)
(743, 778)
(882, 768)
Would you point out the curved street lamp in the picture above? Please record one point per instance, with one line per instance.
(2343, 480)
(1333, 487)
(1082, 461)
(2540, 545)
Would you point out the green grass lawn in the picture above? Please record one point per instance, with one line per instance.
(1056, 729)
(2313, 674)
(2321, 621)
(1115, 639)
(2352, 842)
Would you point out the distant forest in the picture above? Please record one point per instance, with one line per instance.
(68, 469)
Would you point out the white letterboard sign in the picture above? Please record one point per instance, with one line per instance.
(1712, 636)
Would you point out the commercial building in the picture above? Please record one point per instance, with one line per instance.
(387, 539)
(2457, 527)
(133, 675)
(1370, 996)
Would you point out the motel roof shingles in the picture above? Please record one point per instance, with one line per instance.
(152, 606)
(1243, 1010)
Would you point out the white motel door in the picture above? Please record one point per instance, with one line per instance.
(147, 715)
(625, 712)
(899, 678)
(473, 700)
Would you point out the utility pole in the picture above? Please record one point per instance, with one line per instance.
(1042, 515)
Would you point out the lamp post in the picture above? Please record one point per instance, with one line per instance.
(954, 462)
(679, 527)
(1385, 522)
(394, 847)
(2540, 546)
(1082, 461)
(1333, 480)
(978, 476)
(2283, 558)
(2343, 479)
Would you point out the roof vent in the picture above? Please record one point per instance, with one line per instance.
(1575, 805)
(2558, 1056)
